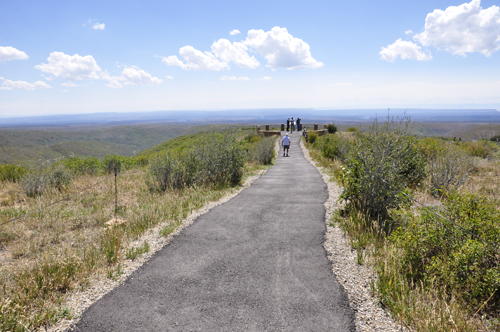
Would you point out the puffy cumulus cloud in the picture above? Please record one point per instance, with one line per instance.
(170, 77)
(8, 53)
(278, 47)
(234, 78)
(405, 50)
(23, 85)
(71, 67)
(265, 78)
(463, 29)
(195, 60)
(135, 75)
(234, 32)
(99, 26)
(131, 76)
(281, 49)
(236, 53)
(408, 32)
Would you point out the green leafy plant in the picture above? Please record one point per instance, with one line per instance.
(448, 170)
(379, 166)
(331, 128)
(312, 136)
(454, 256)
(11, 173)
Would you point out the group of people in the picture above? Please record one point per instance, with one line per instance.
(286, 141)
(290, 124)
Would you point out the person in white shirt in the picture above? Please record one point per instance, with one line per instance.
(285, 142)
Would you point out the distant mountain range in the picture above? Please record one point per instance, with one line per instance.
(256, 116)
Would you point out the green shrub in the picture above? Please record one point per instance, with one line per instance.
(59, 176)
(35, 183)
(430, 146)
(481, 149)
(113, 163)
(331, 128)
(215, 159)
(380, 165)
(452, 256)
(352, 129)
(332, 146)
(77, 165)
(312, 136)
(12, 173)
(262, 151)
(448, 170)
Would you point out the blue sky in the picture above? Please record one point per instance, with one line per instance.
(123, 56)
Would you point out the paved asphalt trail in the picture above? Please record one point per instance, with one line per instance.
(255, 263)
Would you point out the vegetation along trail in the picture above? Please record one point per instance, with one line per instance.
(255, 263)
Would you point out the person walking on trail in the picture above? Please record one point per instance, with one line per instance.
(292, 123)
(285, 142)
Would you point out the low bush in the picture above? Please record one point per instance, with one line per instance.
(262, 150)
(113, 163)
(35, 183)
(380, 165)
(333, 146)
(12, 173)
(453, 258)
(481, 149)
(79, 166)
(448, 170)
(331, 128)
(312, 136)
(352, 129)
(59, 177)
(216, 159)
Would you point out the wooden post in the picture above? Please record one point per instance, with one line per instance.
(282, 127)
(315, 126)
(267, 127)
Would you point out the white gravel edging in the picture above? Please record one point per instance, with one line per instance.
(356, 279)
(100, 284)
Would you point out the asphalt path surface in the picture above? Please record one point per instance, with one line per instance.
(254, 263)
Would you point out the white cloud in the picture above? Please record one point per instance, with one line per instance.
(408, 32)
(405, 50)
(234, 52)
(234, 32)
(73, 68)
(170, 77)
(281, 49)
(65, 90)
(8, 53)
(23, 85)
(463, 29)
(234, 78)
(114, 84)
(278, 47)
(99, 26)
(135, 75)
(195, 60)
(69, 84)
(265, 78)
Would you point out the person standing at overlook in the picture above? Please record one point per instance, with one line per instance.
(285, 142)
(288, 124)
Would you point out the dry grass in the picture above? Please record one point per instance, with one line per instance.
(49, 253)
